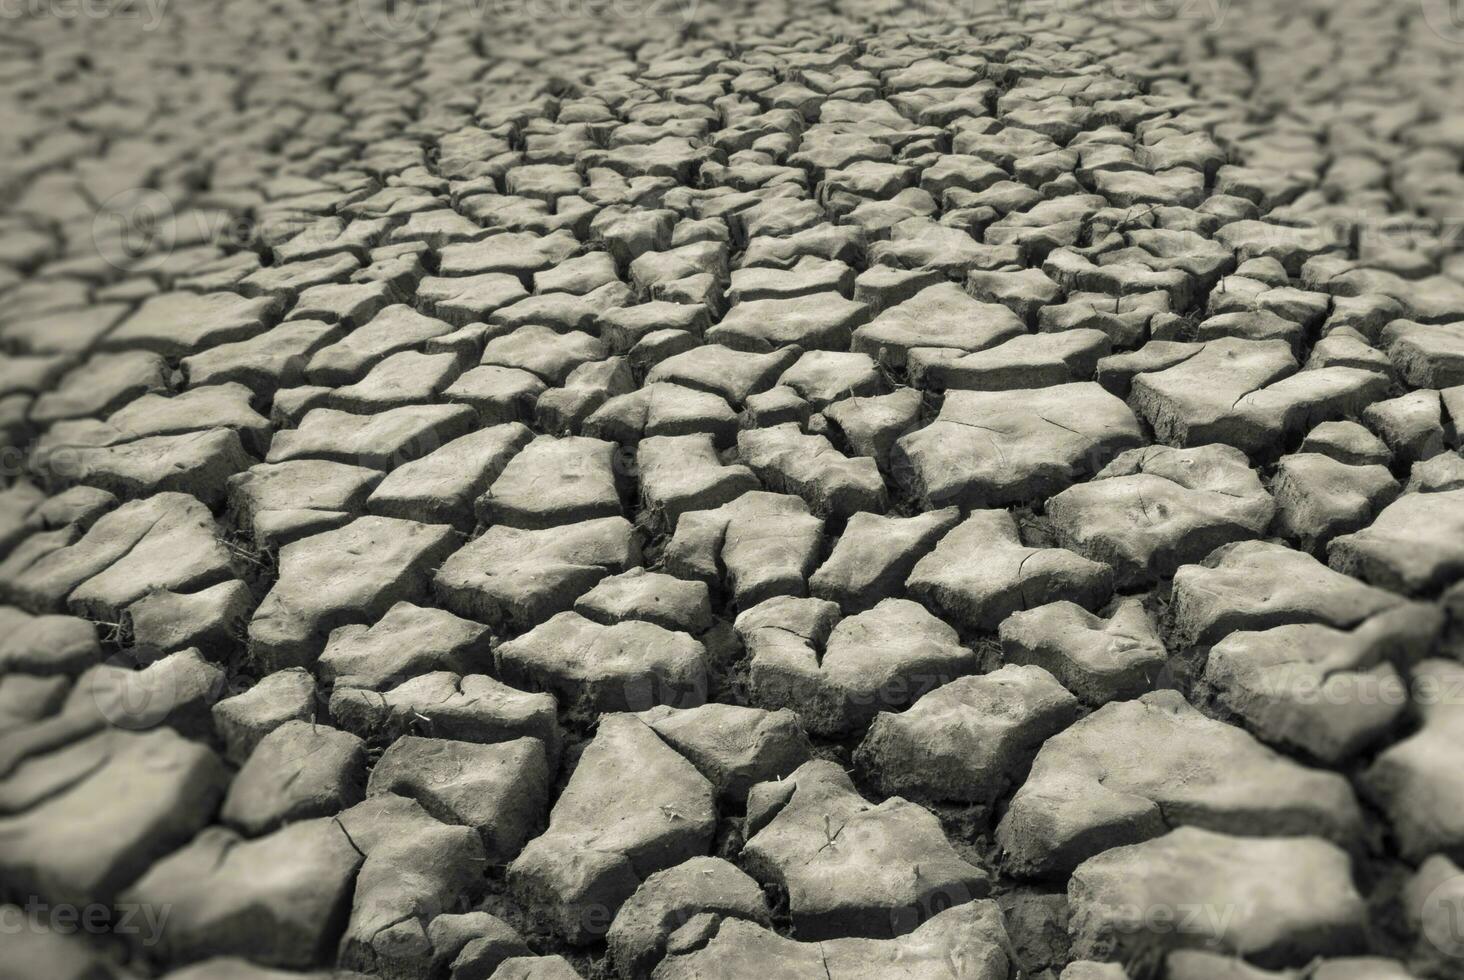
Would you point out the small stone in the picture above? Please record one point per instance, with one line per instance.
(1116, 372)
(622, 329)
(544, 351)
(1289, 899)
(500, 790)
(787, 459)
(969, 740)
(472, 945)
(443, 486)
(405, 378)
(810, 275)
(663, 409)
(733, 374)
(214, 620)
(1134, 769)
(1426, 355)
(273, 360)
(1443, 472)
(1414, 546)
(657, 598)
(347, 575)
(875, 555)
(382, 441)
(1327, 692)
(408, 641)
(461, 300)
(669, 899)
(1261, 584)
(396, 328)
(684, 473)
(838, 677)
(1024, 292)
(415, 867)
(938, 316)
(870, 426)
(1417, 781)
(305, 484)
(298, 771)
(1198, 400)
(466, 707)
(278, 899)
(820, 321)
(969, 938)
(986, 449)
(535, 968)
(1099, 660)
(733, 746)
(850, 867)
(591, 667)
(1009, 577)
(243, 720)
(554, 481)
(759, 545)
(822, 377)
(1411, 425)
(1318, 498)
(632, 807)
(1154, 509)
(515, 253)
(517, 578)
(497, 394)
(1024, 362)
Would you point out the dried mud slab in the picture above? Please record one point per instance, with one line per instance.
(823, 490)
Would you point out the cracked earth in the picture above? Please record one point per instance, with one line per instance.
(833, 490)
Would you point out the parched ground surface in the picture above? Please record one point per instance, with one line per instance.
(754, 490)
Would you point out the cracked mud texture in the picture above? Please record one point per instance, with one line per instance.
(832, 491)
